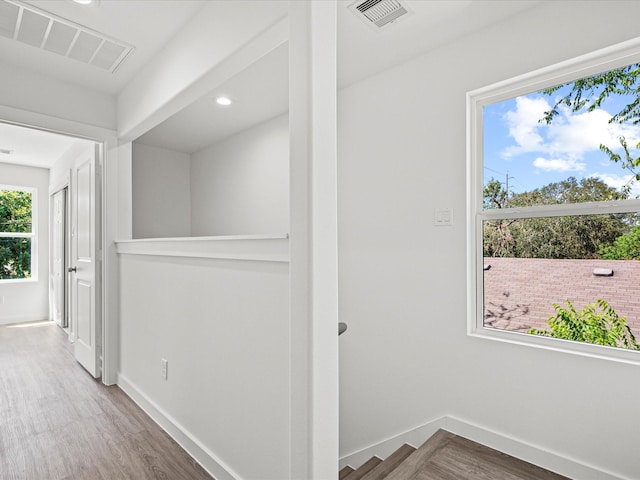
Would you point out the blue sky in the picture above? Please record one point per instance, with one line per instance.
(535, 154)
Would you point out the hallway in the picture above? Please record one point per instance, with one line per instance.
(56, 422)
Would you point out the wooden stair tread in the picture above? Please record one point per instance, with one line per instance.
(418, 459)
(365, 468)
(446, 456)
(345, 472)
(381, 471)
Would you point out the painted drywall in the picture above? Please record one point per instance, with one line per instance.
(216, 33)
(241, 185)
(161, 192)
(406, 358)
(223, 327)
(29, 300)
(28, 90)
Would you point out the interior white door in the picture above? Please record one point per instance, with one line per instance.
(85, 307)
(58, 251)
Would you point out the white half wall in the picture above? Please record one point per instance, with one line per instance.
(161, 192)
(406, 357)
(29, 300)
(223, 326)
(241, 185)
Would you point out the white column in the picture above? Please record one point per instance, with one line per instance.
(314, 267)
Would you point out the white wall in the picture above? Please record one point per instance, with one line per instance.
(185, 69)
(161, 192)
(31, 91)
(241, 185)
(406, 358)
(29, 301)
(222, 325)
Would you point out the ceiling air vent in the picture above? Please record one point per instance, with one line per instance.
(40, 29)
(379, 13)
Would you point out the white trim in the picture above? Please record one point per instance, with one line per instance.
(500, 441)
(8, 320)
(414, 437)
(205, 457)
(599, 61)
(265, 248)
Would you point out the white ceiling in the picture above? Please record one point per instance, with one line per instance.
(34, 148)
(148, 25)
(260, 92)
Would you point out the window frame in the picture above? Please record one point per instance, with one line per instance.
(583, 66)
(33, 235)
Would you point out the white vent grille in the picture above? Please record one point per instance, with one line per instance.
(379, 13)
(41, 29)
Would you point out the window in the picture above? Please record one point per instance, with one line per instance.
(554, 209)
(17, 233)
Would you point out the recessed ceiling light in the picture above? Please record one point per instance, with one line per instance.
(86, 2)
(224, 101)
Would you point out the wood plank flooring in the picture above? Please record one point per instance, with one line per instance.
(58, 423)
(446, 456)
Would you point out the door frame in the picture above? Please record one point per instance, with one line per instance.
(107, 171)
(62, 186)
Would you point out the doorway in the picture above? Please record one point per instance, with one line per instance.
(66, 269)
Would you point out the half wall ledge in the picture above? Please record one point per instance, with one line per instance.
(261, 248)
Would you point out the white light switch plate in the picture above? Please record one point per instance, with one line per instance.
(443, 217)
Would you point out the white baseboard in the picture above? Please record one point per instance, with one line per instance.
(9, 320)
(414, 437)
(530, 453)
(207, 459)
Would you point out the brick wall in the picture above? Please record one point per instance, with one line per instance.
(520, 292)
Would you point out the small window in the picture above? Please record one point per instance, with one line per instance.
(554, 170)
(17, 233)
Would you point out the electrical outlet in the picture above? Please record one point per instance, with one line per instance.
(165, 366)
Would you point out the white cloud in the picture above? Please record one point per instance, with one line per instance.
(619, 181)
(524, 126)
(559, 165)
(569, 137)
(584, 132)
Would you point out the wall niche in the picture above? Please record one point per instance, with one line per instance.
(219, 170)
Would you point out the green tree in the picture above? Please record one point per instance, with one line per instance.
(15, 217)
(591, 92)
(596, 323)
(625, 247)
(552, 237)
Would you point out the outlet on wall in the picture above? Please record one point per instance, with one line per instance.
(165, 366)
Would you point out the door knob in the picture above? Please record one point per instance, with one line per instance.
(72, 269)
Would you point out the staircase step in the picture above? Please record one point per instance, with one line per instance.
(390, 463)
(418, 459)
(344, 473)
(365, 468)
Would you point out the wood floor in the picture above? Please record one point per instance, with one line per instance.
(58, 423)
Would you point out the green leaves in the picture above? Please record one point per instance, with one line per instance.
(597, 323)
(579, 236)
(15, 217)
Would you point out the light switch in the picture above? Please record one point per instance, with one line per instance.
(443, 217)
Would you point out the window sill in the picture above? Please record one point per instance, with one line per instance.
(266, 248)
(600, 352)
(18, 281)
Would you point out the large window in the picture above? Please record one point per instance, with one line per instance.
(17, 233)
(554, 215)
